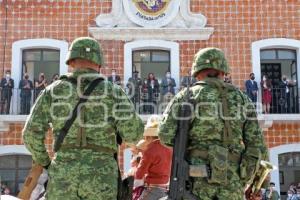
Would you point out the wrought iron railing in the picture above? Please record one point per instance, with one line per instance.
(19, 102)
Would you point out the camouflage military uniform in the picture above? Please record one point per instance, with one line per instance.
(84, 167)
(244, 139)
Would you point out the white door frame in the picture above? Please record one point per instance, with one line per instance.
(274, 153)
(173, 47)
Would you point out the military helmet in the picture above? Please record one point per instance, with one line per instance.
(209, 58)
(85, 48)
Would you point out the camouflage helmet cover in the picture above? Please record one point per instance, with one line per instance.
(85, 48)
(209, 58)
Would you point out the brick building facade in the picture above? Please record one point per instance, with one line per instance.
(249, 32)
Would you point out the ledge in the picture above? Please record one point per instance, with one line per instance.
(5, 120)
(266, 120)
(135, 33)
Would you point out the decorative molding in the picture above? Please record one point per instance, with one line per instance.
(14, 150)
(5, 120)
(129, 34)
(266, 121)
(184, 26)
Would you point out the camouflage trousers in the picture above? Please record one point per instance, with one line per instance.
(82, 174)
(206, 191)
(234, 190)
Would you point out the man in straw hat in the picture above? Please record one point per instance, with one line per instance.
(155, 166)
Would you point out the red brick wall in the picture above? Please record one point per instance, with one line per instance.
(237, 24)
(282, 133)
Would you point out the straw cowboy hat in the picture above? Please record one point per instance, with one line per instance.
(151, 128)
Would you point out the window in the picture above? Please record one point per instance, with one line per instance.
(13, 171)
(151, 61)
(36, 61)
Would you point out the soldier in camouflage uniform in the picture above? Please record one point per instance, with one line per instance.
(84, 167)
(225, 135)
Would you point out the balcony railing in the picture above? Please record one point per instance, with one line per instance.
(19, 102)
(283, 101)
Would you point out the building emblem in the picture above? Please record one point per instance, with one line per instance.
(151, 13)
(151, 7)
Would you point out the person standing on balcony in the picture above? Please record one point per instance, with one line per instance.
(145, 97)
(114, 78)
(134, 85)
(285, 94)
(26, 87)
(7, 85)
(252, 88)
(39, 85)
(168, 85)
(153, 92)
(185, 80)
(266, 86)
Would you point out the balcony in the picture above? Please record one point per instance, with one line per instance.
(283, 108)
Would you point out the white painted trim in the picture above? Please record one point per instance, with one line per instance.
(173, 47)
(19, 46)
(274, 153)
(134, 33)
(14, 150)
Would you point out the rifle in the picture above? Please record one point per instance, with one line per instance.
(180, 183)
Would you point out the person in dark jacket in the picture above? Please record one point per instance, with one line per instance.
(26, 87)
(7, 85)
(252, 88)
(114, 78)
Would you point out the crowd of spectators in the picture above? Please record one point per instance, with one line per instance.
(278, 95)
(27, 89)
(148, 92)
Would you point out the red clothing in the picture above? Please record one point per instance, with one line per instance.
(155, 165)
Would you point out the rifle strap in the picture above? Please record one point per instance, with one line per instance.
(223, 89)
(65, 129)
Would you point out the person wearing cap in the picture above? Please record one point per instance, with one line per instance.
(154, 168)
(225, 139)
(134, 85)
(84, 166)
